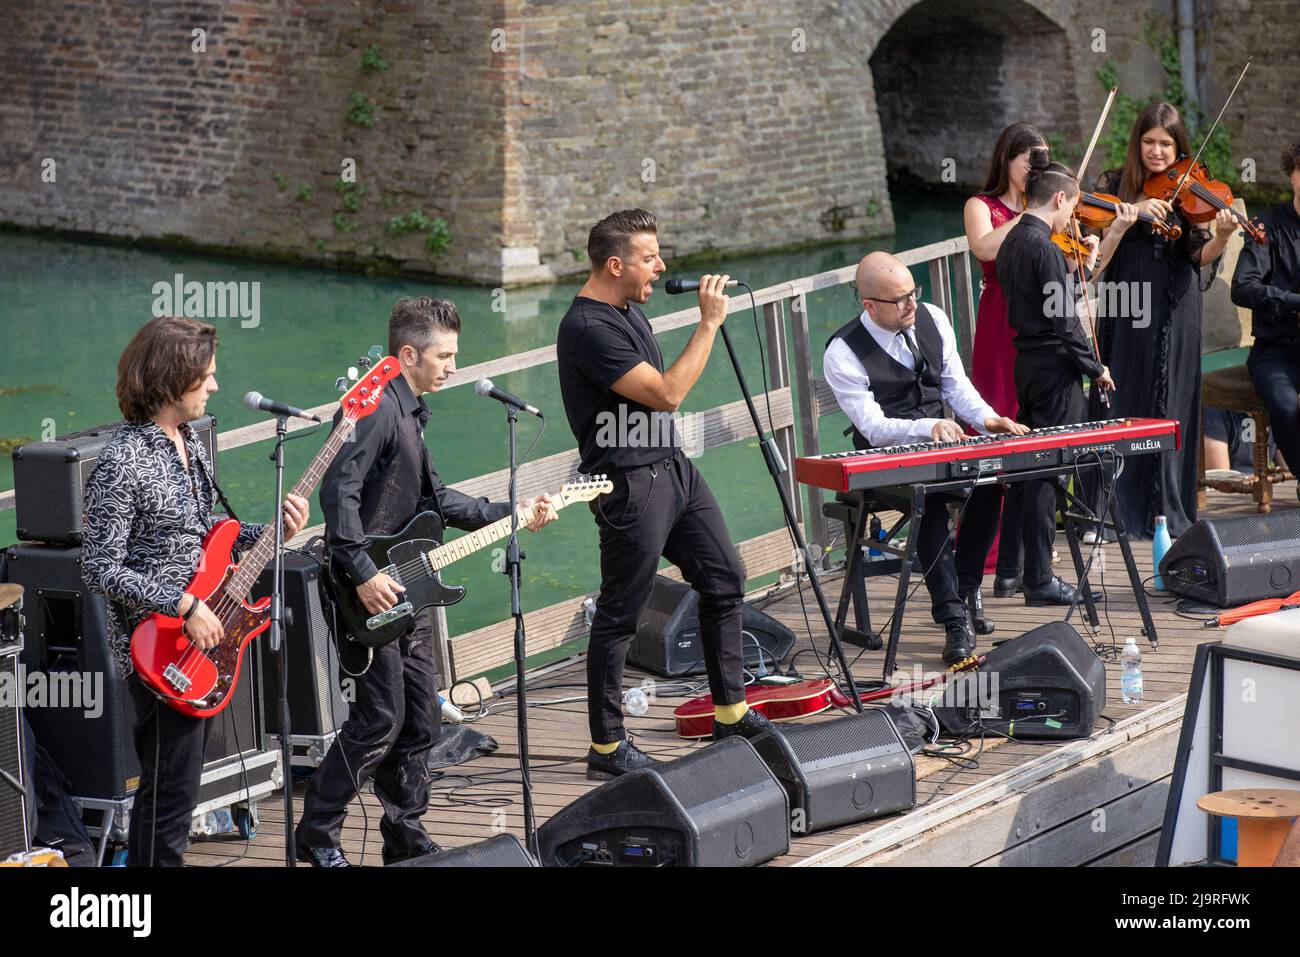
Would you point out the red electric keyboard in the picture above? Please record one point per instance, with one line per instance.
(980, 455)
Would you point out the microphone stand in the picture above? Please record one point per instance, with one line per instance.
(281, 647)
(776, 466)
(514, 558)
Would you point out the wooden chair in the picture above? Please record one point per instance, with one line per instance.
(1231, 388)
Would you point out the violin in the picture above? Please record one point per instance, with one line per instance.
(1073, 248)
(1098, 210)
(1188, 185)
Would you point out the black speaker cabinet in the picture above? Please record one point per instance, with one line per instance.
(15, 836)
(839, 771)
(504, 850)
(66, 647)
(719, 806)
(1047, 683)
(89, 735)
(50, 479)
(1232, 561)
(316, 703)
(668, 641)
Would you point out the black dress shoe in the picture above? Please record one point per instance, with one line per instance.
(1008, 586)
(751, 725)
(425, 849)
(321, 856)
(960, 643)
(602, 767)
(974, 602)
(1055, 592)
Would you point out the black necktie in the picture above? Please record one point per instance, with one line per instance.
(916, 353)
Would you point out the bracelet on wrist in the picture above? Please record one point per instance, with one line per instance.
(194, 605)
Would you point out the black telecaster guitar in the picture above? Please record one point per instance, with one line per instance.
(414, 556)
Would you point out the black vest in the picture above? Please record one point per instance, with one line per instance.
(901, 392)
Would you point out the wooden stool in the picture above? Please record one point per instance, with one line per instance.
(1263, 818)
(1231, 388)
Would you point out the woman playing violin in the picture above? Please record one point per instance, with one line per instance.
(1151, 339)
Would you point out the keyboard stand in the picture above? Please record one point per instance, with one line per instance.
(913, 499)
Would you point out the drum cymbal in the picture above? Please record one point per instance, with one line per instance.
(10, 594)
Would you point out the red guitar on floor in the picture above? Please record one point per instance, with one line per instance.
(200, 683)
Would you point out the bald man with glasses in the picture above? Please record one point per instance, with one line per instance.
(893, 369)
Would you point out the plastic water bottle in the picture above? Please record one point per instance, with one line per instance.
(1159, 545)
(1130, 681)
(636, 702)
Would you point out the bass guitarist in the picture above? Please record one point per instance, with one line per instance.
(377, 484)
(148, 508)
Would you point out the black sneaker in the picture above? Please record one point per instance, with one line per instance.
(425, 849)
(751, 725)
(1007, 586)
(321, 856)
(1057, 591)
(602, 767)
(960, 643)
(974, 602)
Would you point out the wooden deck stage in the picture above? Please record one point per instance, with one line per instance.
(474, 800)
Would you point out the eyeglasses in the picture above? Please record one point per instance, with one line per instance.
(901, 302)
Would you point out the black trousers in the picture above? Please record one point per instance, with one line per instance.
(664, 510)
(951, 572)
(1275, 371)
(392, 724)
(170, 746)
(1011, 540)
(1050, 391)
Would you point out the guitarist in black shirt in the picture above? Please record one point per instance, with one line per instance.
(374, 487)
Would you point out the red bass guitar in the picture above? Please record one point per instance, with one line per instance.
(200, 683)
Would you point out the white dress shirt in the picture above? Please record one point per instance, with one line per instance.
(852, 387)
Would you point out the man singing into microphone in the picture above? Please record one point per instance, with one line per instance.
(375, 486)
(611, 370)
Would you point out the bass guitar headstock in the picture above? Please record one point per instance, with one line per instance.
(363, 397)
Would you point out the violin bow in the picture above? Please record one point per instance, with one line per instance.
(1213, 126)
(1078, 236)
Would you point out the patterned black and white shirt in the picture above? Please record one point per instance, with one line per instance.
(144, 523)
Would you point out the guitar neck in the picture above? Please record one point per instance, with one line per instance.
(467, 545)
(263, 551)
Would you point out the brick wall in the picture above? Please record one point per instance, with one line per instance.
(745, 125)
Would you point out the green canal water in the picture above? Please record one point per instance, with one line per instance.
(67, 310)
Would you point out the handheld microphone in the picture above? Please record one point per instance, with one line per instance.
(257, 402)
(675, 286)
(485, 387)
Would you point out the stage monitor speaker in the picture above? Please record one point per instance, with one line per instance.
(316, 703)
(87, 722)
(50, 479)
(839, 771)
(667, 641)
(1047, 683)
(504, 850)
(719, 806)
(1233, 561)
(15, 831)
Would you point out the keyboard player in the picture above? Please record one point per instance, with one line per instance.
(892, 369)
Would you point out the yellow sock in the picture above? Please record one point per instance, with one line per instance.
(605, 748)
(730, 713)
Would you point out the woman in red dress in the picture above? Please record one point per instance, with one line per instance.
(989, 216)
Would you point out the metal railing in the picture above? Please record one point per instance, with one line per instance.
(798, 401)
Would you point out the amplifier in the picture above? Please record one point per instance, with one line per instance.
(1047, 683)
(15, 829)
(839, 771)
(504, 850)
(1233, 561)
(719, 806)
(667, 640)
(50, 479)
(316, 703)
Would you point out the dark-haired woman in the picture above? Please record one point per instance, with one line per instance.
(989, 215)
(1153, 347)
